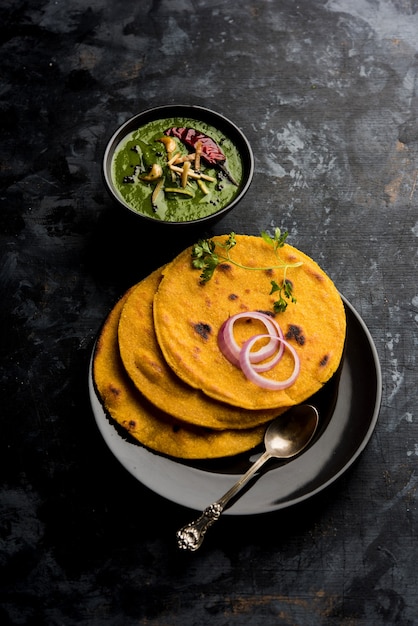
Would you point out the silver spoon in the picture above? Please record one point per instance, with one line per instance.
(285, 437)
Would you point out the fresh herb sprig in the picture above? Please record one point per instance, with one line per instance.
(205, 259)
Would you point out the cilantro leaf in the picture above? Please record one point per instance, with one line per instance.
(205, 259)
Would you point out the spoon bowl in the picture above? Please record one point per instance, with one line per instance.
(285, 437)
(291, 432)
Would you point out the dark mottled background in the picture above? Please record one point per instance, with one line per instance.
(326, 92)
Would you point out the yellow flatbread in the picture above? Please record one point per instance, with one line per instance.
(189, 314)
(147, 368)
(149, 426)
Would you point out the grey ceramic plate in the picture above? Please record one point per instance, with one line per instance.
(349, 406)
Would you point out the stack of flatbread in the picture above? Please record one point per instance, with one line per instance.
(161, 375)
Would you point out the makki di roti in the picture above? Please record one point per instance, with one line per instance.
(160, 372)
(146, 423)
(147, 368)
(188, 314)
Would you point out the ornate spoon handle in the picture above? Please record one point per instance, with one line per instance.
(191, 536)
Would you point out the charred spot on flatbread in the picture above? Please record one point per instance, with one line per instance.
(324, 360)
(295, 332)
(115, 391)
(202, 329)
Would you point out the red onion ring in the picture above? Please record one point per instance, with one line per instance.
(231, 350)
(252, 375)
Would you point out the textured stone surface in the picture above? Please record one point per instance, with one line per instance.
(326, 92)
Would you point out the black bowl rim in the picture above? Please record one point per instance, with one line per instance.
(181, 110)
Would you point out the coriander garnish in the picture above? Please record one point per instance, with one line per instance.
(205, 259)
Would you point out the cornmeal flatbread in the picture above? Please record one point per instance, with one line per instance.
(149, 426)
(188, 315)
(147, 368)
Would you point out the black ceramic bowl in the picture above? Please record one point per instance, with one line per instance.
(168, 210)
